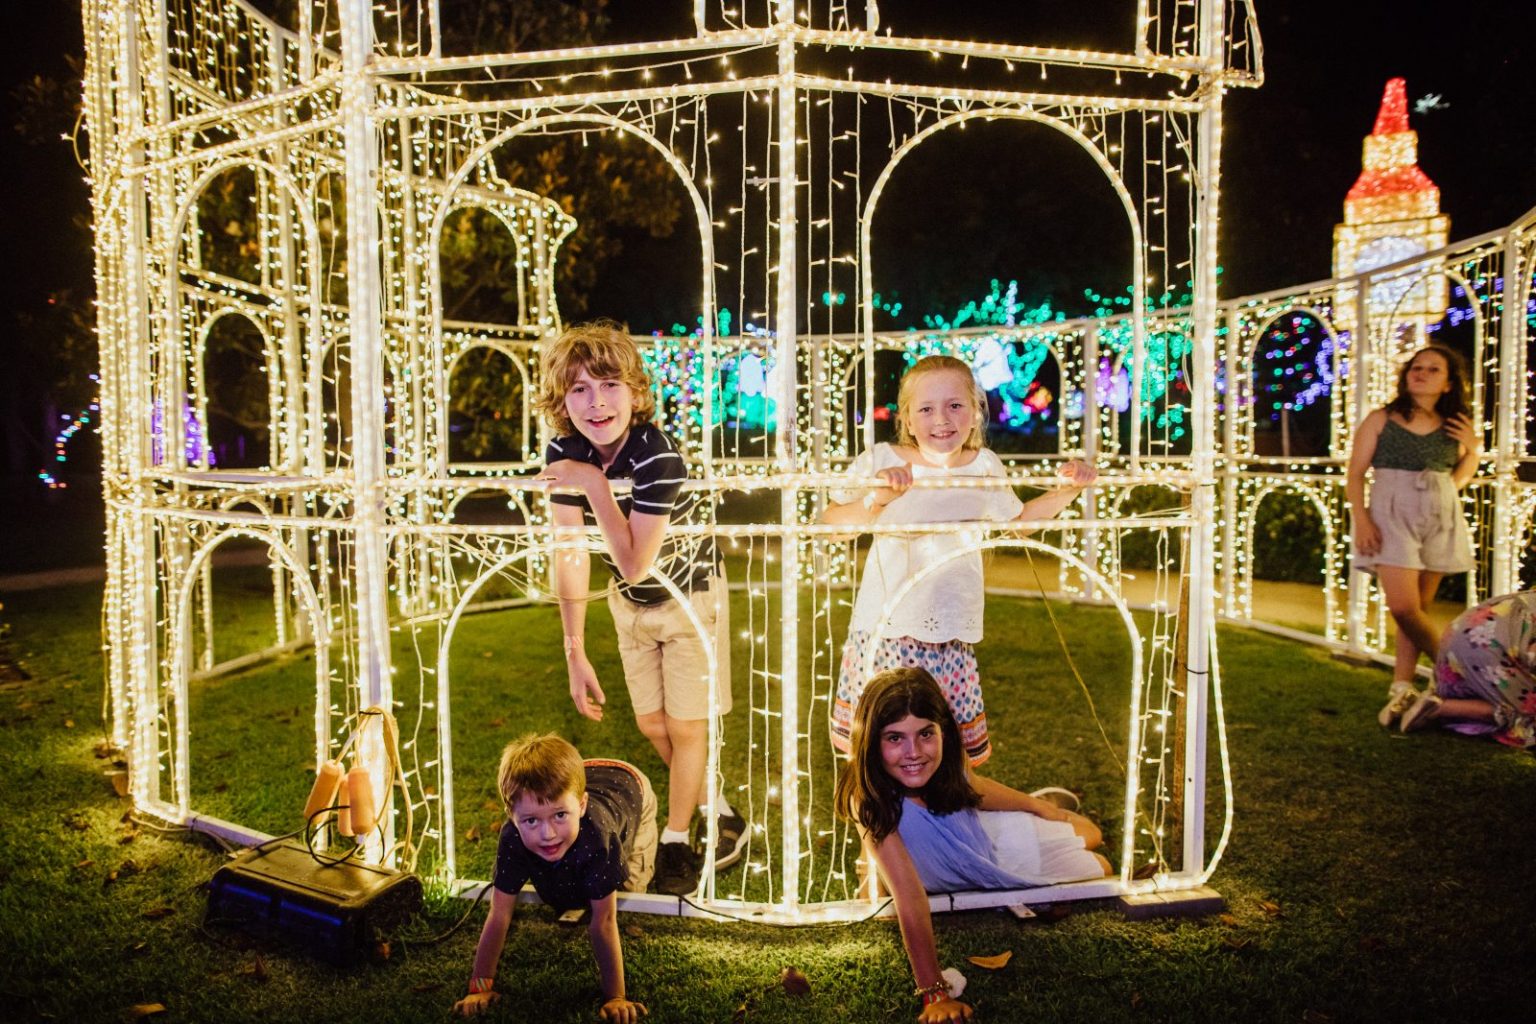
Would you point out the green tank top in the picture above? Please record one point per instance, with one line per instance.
(1397, 447)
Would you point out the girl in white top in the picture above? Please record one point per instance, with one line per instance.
(940, 423)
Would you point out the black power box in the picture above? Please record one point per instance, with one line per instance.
(337, 912)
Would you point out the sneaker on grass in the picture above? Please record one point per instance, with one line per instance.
(677, 869)
(1424, 710)
(1400, 698)
(730, 839)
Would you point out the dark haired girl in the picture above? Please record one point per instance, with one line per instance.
(932, 826)
(1421, 448)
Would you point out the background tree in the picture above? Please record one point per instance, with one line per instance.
(49, 304)
(616, 189)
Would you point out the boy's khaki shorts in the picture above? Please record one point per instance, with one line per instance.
(665, 666)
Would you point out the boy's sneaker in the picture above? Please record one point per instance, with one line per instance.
(677, 869)
(1063, 798)
(1400, 698)
(730, 839)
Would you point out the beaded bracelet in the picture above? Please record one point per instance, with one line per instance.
(479, 985)
(935, 993)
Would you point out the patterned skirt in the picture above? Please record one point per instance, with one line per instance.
(952, 665)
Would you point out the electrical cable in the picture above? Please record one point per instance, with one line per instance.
(434, 939)
(754, 919)
(1093, 709)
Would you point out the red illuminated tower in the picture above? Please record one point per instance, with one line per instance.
(1391, 213)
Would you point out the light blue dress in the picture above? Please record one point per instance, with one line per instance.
(973, 849)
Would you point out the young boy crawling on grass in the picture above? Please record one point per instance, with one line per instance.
(581, 831)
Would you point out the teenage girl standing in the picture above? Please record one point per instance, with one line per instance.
(1421, 448)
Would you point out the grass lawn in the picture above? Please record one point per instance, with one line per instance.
(1370, 877)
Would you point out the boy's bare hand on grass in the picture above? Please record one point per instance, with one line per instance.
(622, 1011)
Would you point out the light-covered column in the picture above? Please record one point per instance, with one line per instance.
(364, 301)
(787, 327)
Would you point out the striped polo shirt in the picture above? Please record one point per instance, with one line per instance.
(656, 472)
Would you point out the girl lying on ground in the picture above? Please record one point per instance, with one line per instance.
(932, 826)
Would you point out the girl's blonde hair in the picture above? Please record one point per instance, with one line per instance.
(604, 351)
(939, 364)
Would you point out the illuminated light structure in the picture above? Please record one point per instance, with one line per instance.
(361, 139)
(1391, 214)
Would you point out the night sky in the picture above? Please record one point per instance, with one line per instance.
(1291, 148)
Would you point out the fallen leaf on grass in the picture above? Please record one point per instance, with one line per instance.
(1135, 1000)
(382, 950)
(124, 840)
(427, 986)
(76, 823)
(473, 835)
(119, 782)
(1229, 920)
(794, 982)
(497, 723)
(1272, 909)
(1236, 943)
(84, 864)
(69, 723)
(111, 877)
(992, 963)
(156, 913)
(104, 750)
(740, 1016)
(1315, 1017)
(141, 1010)
(256, 970)
(633, 931)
